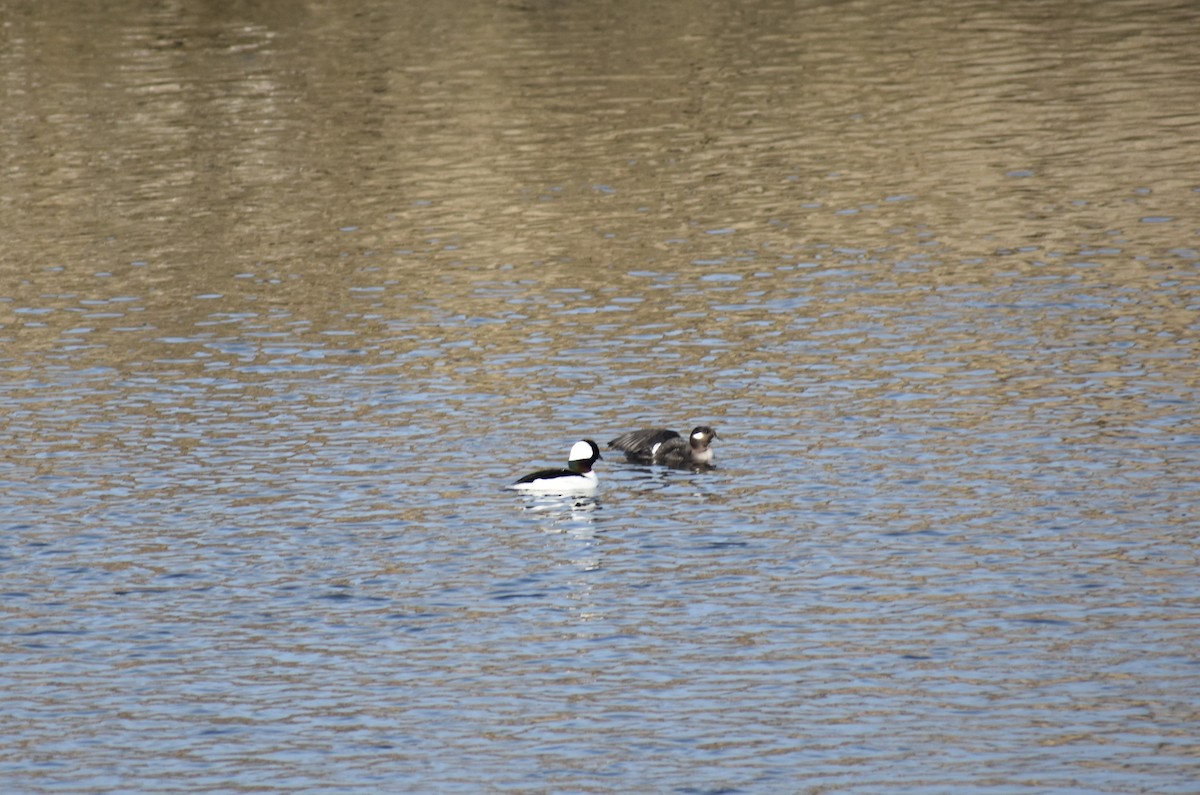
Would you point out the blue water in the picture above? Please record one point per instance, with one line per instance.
(308, 577)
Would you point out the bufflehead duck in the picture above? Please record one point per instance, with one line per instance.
(577, 478)
(661, 446)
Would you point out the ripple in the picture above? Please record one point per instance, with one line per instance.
(352, 274)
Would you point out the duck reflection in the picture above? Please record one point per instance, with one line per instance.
(563, 507)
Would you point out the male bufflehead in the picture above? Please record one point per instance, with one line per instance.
(577, 478)
(661, 446)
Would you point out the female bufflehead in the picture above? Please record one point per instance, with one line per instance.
(577, 478)
(660, 446)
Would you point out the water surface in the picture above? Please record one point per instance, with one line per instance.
(290, 292)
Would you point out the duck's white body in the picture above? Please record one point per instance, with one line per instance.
(577, 478)
(557, 481)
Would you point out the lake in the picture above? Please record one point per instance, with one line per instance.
(290, 292)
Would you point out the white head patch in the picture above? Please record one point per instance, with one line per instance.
(698, 435)
(581, 451)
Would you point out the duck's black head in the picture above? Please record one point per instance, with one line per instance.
(701, 436)
(584, 453)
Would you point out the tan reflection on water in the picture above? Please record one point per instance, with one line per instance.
(299, 170)
(293, 171)
(202, 141)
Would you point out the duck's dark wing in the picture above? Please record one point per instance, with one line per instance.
(544, 474)
(640, 444)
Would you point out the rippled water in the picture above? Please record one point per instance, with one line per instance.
(290, 292)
